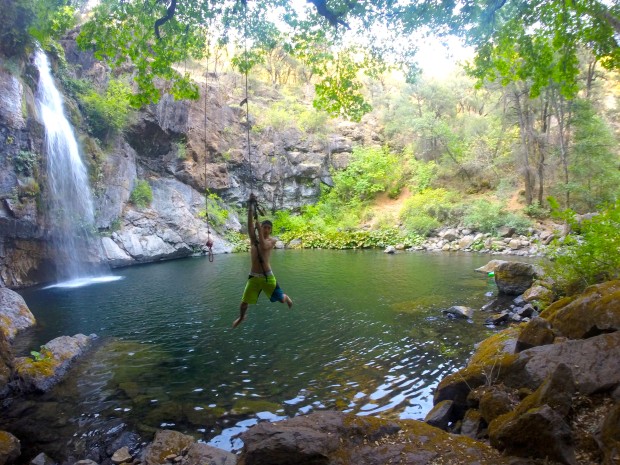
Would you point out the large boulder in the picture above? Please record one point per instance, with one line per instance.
(10, 448)
(167, 443)
(537, 426)
(537, 332)
(514, 278)
(539, 432)
(495, 362)
(595, 311)
(14, 313)
(170, 228)
(6, 365)
(335, 437)
(534, 365)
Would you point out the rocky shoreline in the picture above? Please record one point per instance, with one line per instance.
(544, 390)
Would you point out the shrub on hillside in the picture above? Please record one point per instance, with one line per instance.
(427, 209)
(142, 195)
(215, 212)
(421, 224)
(107, 113)
(370, 171)
(488, 217)
(592, 256)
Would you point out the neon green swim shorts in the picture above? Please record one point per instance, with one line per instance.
(256, 284)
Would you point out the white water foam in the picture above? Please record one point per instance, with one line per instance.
(80, 282)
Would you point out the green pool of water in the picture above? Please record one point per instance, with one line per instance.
(365, 335)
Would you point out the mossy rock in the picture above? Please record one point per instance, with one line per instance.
(334, 437)
(595, 311)
(495, 402)
(167, 443)
(45, 367)
(536, 332)
(539, 432)
(10, 447)
(14, 313)
(490, 362)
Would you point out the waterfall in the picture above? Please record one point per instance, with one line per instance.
(69, 200)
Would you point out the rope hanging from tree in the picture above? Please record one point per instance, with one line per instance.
(253, 204)
(246, 100)
(209, 242)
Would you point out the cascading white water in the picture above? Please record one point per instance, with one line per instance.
(70, 204)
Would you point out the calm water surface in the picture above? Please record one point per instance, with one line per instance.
(366, 335)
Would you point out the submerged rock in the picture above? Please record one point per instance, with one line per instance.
(459, 311)
(51, 364)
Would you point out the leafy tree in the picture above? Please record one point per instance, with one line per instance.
(595, 175)
(154, 36)
(539, 40)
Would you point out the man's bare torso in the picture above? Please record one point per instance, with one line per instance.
(265, 253)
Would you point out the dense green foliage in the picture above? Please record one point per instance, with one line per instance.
(155, 36)
(537, 41)
(106, 112)
(334, 221)
(594, 174)
(426, 210)
(369, 171)
(26, 163)
(488, 217)
(215, 212)
(290, 113)
(592, 255)
(142, 194)
(28, 22)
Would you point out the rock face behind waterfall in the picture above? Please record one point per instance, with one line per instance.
(24, 257)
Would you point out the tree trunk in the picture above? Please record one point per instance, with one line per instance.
(564, 130)
(524, 130)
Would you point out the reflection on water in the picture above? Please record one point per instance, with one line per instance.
(365, 335)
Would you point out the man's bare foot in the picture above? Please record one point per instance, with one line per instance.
(288, 301)
(237, 322)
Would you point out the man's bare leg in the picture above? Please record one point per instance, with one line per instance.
(242, 309)
(287, 300)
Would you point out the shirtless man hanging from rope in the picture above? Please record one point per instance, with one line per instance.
(261, 277)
